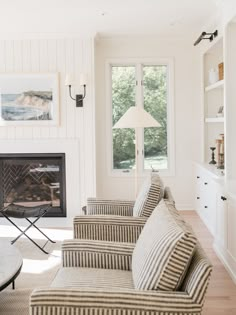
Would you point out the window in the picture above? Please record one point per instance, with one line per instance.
(147, 85)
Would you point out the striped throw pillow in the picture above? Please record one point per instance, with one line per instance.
(149, 196)
(162, 252)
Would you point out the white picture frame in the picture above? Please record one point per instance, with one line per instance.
(29, 99)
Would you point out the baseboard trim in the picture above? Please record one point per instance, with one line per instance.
(224, 262)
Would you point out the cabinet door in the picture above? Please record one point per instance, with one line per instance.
(197, 196)
(221, 219)
(209, 203)
(232, 227)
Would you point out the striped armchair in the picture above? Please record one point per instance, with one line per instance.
(122, 227)
(149, 196)
(99, 277)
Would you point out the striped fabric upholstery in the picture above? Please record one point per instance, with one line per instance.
(198, 275)
(93, 293)
(162, 252)
(168, 197)
(96, 206)
(108, 228)
(96, 254)
(96, 291)
(149, 196)
(65, 301)
(101, 279)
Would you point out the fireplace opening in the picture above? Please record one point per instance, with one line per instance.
(33, 179)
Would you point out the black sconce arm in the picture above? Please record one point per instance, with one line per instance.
(70, 93)
(78, 97)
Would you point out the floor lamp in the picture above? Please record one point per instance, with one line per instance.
(136, 117)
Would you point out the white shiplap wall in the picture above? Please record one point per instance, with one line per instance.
(62, 55)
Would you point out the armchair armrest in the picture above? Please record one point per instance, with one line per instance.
(98, 206)
(108, 228)
(48, 301)
(97, 254)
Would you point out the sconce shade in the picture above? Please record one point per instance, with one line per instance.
(83, 79)
(69, 80)
(136, 117)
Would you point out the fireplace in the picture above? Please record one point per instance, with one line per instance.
(32, 179)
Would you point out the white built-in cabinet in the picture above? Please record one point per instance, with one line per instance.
(215, 202)
(205, 186)
(215, 189)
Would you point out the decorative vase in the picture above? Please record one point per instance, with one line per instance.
(213, 76)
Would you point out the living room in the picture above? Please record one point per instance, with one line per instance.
(81, 49)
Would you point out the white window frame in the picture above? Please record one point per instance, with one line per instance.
(138, 63)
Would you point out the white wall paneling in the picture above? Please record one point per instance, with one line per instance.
(72, 55)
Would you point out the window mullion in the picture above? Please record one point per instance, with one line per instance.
(139, 94)
(139, 102)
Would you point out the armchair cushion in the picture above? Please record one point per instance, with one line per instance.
(85, 278)
(149, 196)
(162, 252)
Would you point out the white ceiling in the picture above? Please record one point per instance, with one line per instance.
(164, 18)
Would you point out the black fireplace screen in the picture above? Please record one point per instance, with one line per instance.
(33, 179)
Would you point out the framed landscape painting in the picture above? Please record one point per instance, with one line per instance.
(29, 99)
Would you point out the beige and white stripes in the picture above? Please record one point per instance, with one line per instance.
(103, 282)
(95, 254)
(55, 301)
(108, 228)
(96, 206)
(162, 252)
(149, 196)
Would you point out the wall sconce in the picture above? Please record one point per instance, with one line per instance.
(78, 97)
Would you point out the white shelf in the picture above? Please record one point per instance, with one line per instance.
(217, 85)
(214, 119)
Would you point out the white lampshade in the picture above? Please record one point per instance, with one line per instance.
(83, 79)
(136, 117)
(69, 80)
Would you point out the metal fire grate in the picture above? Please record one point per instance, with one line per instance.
(33, 179)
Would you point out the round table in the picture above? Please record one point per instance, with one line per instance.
(10, 264)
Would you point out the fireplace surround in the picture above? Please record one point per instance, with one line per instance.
(30, 179)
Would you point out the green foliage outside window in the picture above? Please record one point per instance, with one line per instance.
(155, 102)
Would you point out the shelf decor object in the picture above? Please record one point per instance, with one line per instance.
(212, 156)
(136, 117)
(221, 71)
(221, 162)
(213, 76)
(220, 152)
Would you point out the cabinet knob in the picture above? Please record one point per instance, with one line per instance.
(198, 197)
(223, 198)
(198, 176)
(205, 207)
(205, 183)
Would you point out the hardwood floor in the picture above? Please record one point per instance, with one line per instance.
(221, 295)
